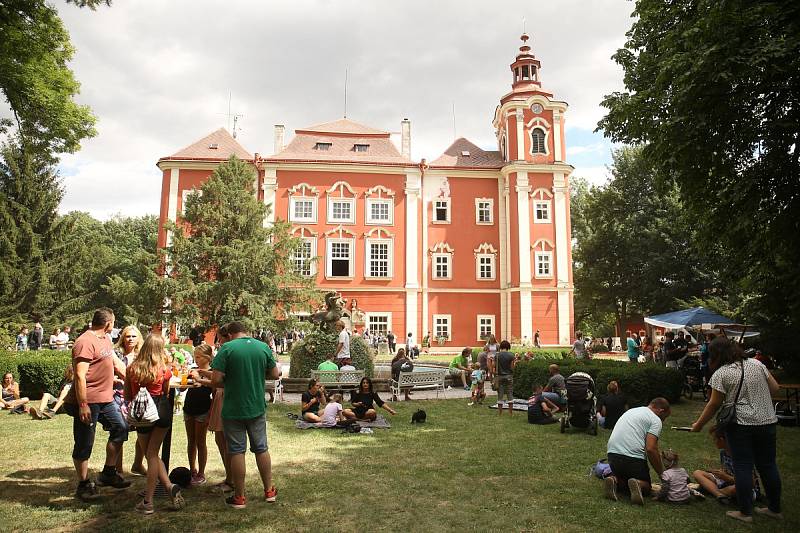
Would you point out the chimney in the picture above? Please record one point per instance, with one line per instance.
(279, 130)
(405, 138)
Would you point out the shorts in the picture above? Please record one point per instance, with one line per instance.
(200, 419)
(109, 416)
(164, 415)
(238, 431)
(505, 386)
(360, 412)
(720, 483)
(625, 468)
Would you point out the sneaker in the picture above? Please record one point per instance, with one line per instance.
(116, 481)
(466, 388)
(198, 479)
(145, 507)
(636, 492)
(176, 497)
(766, 512)
(271, 495)
(48, 414)
(610, 486)
(87, 491)
(237, 502)
(471, 403)
(35, 414)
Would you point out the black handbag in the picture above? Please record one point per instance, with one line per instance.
(727, 414)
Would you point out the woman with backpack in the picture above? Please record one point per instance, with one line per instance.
(149, 372)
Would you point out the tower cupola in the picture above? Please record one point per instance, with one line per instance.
(526, 67)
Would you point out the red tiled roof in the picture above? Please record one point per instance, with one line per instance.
(343, 126)
(453, 157)
(226, 146)
(304, 148)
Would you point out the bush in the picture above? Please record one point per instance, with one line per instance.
(538, 353)
(639, 382)
(36, 372)
(315, 347)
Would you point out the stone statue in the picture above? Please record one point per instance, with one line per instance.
(357, 316)
(333, 313)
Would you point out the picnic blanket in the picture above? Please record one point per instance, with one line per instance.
(518, 405)
(379, 423)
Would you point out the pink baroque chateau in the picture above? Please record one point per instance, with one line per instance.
(474, 242)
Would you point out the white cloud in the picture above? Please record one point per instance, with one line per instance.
(594, 175)
(158, 75)
(594, 148)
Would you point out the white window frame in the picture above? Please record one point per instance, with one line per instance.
(490, 318)
(493, 264)
(349, 220)
(329, 258)
(478, 202)
(449, 321)
(379, 222)
(370, 316)
(449, 211)
(549, 207)
(312, 263)
(308, 220)
(185, 194)
(449, 259)
(368, 257)
(538, 255)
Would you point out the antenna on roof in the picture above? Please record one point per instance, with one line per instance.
(454, 119)
(523, 24)
(236, 118)
(345, 92)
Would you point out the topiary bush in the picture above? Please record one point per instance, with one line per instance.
(639, 382)
(538, 353)
(36, 372)
(315, 347)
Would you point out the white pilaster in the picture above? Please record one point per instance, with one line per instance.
(560, 199)
(504, 256)
(270, 188)
(557, 125)
(523, 190)
(506, 239)
(520, 136)
(172, 203)
(412, 189)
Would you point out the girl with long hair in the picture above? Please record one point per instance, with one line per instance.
(195, 415)
(150, 371)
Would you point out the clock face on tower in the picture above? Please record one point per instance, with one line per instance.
(537, 108)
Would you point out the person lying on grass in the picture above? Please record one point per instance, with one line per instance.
(363, 400)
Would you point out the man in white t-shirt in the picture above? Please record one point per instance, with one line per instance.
(347, 364)
(62, 339)
(633, 442)
(343, 348)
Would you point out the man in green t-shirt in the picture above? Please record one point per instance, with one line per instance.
(241, 366)
(459, 366)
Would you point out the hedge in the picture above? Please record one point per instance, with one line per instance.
(639, 382)
(538, 353)
(36, 372)
(315, 347)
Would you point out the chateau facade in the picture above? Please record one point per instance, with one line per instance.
(474, 242)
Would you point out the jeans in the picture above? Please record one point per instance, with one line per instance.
(110, 418)
(238, 431)
(754, 445)
(554, 397)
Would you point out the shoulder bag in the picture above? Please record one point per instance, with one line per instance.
(727, 414)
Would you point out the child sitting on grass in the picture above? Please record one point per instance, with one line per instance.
(674, 480)
(719, 482)
(332, 415)
(477, 377)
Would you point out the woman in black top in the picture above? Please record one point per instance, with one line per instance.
(611, 406)
(363, 400)
(311, 401)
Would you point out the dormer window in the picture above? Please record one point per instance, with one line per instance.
(324, 147)
(465, 153)
(213, 146)
(360, 147)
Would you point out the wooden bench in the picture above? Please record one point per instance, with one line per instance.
(338, 379)
(419, 380)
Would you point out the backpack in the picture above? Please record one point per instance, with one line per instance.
(142, 411)
(601, 469)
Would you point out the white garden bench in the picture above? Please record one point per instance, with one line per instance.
(418, 380)
(276, 387)
(338, 379)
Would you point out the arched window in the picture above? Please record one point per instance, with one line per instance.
(538, 141)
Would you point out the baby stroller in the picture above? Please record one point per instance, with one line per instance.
(692, 376)
(581, 410)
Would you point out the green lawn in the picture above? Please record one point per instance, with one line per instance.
(463, 470)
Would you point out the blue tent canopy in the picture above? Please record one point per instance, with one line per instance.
(694, 316)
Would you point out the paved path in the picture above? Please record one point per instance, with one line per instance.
(452, 393)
